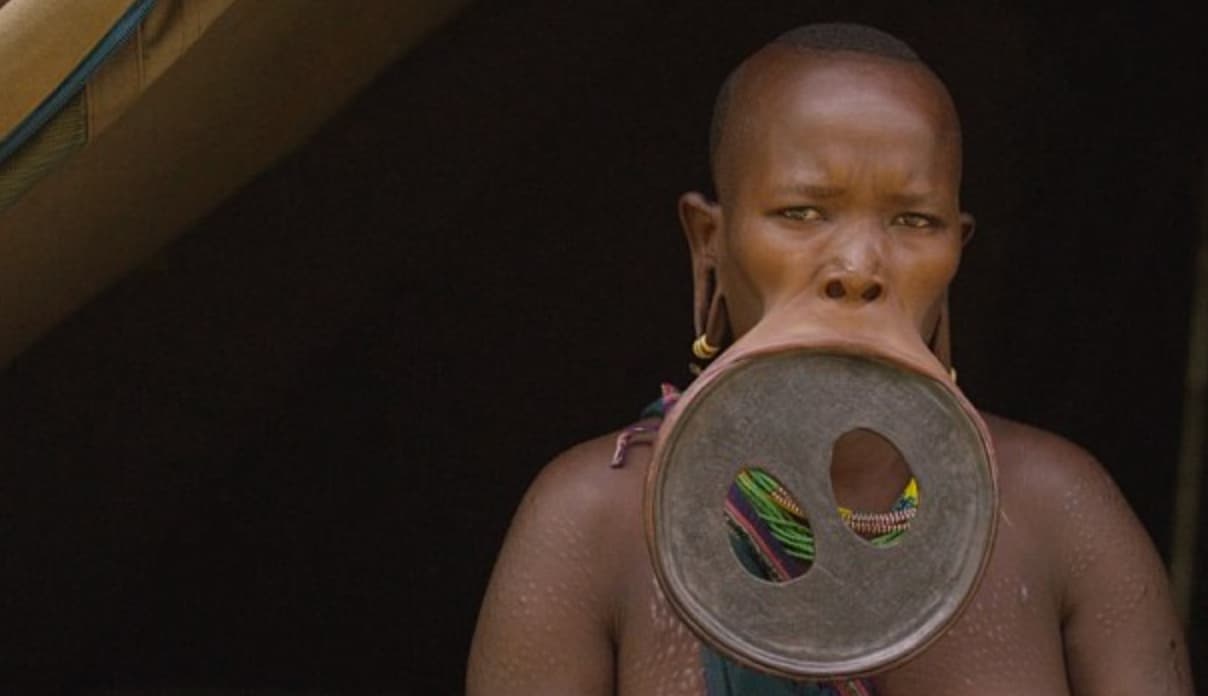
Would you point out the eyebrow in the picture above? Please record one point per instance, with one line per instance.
(814, 190)
(910, 199)
(904, 199)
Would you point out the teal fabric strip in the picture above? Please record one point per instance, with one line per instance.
(75, 82)
(725, 678)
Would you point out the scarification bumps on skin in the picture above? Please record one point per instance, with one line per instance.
(670, 661)
(986, 651)
(544, 602)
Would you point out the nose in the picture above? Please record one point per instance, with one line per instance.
(854, 273)
(852, 285)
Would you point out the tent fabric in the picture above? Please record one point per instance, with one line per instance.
(205, 95)
(53, 144)
(50, 50)
(41, 43)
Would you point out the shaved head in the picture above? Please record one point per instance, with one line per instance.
(732, 113)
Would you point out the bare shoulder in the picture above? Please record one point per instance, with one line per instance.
(584, 480)
(1044, 474)
(548, 620)
(579, 503)
(1039, 456)
(1117, 620)
(1056, 485)
(582, 498)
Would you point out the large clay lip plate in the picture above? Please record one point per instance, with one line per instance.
(859, 610)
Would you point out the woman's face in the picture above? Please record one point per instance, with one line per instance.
(839, 180)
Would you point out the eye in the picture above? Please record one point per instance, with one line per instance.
(803, 213)
(915, 220)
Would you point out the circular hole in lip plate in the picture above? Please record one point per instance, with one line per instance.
(874, 485)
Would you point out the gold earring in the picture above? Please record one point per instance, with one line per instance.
(702, 349)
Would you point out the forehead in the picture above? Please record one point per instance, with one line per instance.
(839, 108)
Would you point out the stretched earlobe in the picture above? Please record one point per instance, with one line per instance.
(968, 225)
(941, 337)
(713, 328)
(700, 220)
(711, 332)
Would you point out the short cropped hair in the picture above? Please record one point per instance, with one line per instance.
(836, 36)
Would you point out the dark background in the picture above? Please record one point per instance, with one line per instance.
(284, 452)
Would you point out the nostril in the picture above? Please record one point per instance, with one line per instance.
(834, 289)
(872, 292)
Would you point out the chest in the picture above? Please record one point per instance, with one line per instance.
(1007, 641)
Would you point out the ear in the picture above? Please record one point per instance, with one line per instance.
(968, 224)
(701, 221)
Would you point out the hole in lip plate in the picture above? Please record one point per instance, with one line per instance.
(769, 530)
